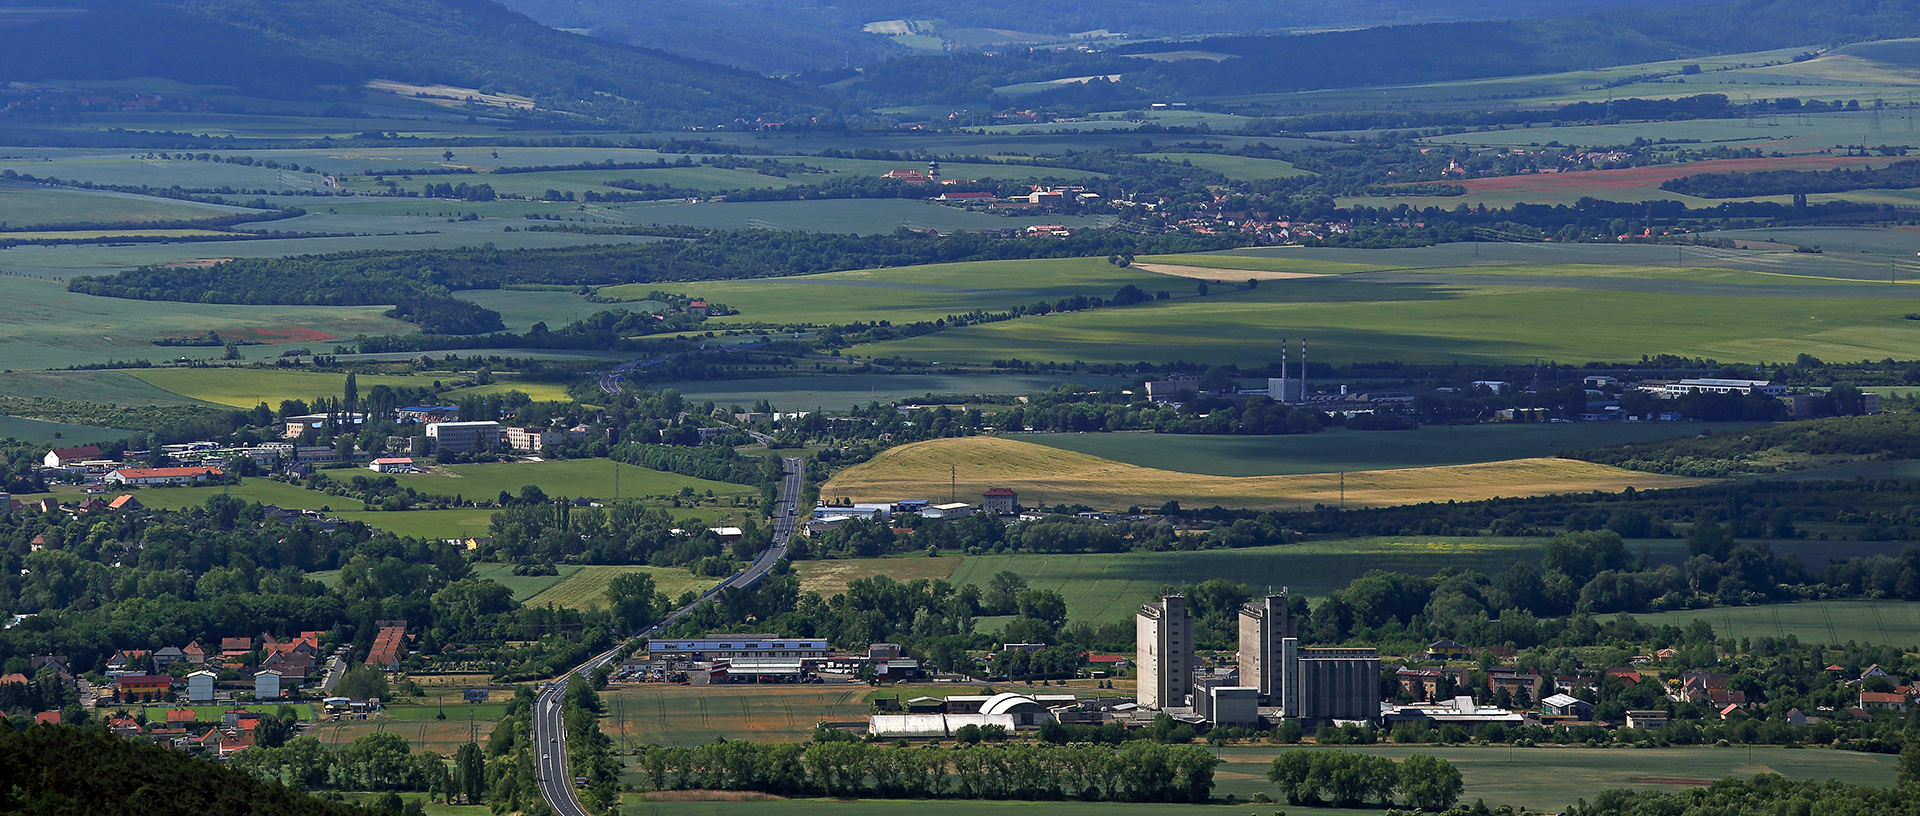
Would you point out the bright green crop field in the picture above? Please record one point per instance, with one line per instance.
(247, 387)
(1468, 316)
(1834, 622)
(912, 293)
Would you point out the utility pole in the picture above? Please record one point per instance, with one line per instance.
(953, 483)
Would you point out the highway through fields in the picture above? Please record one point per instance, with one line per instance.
(549, 731)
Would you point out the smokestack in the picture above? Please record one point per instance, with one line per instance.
(1283, 369)
(1303, 369)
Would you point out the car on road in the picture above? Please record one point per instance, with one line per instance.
(546, 756)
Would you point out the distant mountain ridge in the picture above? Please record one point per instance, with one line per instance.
(782, 36)
(292, 48)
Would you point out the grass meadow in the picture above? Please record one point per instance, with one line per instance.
(34, 430)
(49, 327)
(586, 587)
(1343, 450)
(107, 387)
(1054, 476)
(1550, 779)
(665, 714)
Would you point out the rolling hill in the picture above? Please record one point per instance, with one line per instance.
(286, 49)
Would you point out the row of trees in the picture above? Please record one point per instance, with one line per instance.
(1136, 772)
(1352, 780)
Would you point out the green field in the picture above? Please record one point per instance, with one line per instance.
(685, 715)
(107, 387)
(523, 586)
(564, 477)
(463, 523)
(1833, 622)
(1548, 779)
(49, 327)
(586, 587)
(1108, 587)
(32, 205)
(33, 430)
(247, 387)
(910, 293)
(1342, 450)
(1238, 168)
(1467, 316)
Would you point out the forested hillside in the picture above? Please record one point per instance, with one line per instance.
(1398, 54)
(317, 50)
(777, 36)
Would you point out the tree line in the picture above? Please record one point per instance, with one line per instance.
(1136, 772)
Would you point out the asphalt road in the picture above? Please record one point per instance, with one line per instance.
(549, 733)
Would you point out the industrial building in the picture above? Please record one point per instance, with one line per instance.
(1228, 706)
(1264, 624)
(1461, 711)
(1328, 683)
(464, 437)
(731, 647)
(1164, 640)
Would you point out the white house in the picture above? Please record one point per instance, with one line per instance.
(62, 457)
(200, 687)
(397, 464)
(266, 685)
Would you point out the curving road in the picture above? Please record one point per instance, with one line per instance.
(550, 734)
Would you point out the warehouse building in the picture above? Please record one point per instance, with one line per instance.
(731, 647)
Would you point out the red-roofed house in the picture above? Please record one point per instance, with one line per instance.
(1000, 501)
(153, 686)
(234, 647)
(154, 476)
(389, 646)
(49, 717)
(124, 726)
(196, 653)
(62, 457)
(1883, 701)
(127, 502)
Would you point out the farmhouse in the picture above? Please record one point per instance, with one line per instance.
(63, 457)
(396, 464)
(160, 476)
